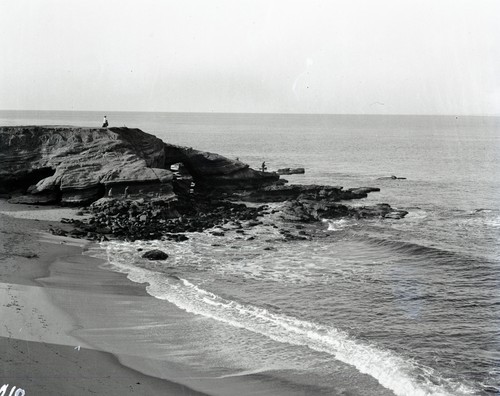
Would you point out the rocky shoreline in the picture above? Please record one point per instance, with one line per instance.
(133, 186)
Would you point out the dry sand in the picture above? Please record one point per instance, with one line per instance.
(40, 351)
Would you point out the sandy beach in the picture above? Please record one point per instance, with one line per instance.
(47, 284)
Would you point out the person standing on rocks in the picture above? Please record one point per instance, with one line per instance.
(105, 122)
(263, 166)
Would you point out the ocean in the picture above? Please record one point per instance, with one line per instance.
(367, 307)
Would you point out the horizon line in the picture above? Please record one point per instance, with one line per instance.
(257, 113)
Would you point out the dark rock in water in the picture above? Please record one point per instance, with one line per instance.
(309, 211)
(155, 255)
(279, 193)
(396, 214)
(58, 231)
(378, 210)
(291, 171)
(391, 178)
(359, 191)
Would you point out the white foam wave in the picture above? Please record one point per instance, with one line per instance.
(287, 264)
(337, 225)
(391, 371)
(493, 222)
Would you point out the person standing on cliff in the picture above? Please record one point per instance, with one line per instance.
(263, 166)
(105, 122)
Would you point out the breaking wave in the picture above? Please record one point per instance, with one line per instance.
(390, 370)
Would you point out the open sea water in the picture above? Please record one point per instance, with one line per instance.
(368, 307)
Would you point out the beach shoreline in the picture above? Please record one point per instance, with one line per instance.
(42, 352)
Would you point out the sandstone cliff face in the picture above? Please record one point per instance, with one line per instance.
(75, 165)
(78, 165)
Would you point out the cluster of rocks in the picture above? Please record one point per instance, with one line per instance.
(131, 220)
(309, 210)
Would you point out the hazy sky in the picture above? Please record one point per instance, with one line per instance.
(330, 56)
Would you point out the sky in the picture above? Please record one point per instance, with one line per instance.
(258, 56)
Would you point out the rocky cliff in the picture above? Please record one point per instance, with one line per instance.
(135, 191)
(73, 165)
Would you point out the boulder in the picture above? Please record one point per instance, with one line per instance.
(155, 255)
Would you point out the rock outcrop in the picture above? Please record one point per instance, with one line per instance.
(280, 193)
(310, 210)
(291, 171)
(212, 171)
(77, 166)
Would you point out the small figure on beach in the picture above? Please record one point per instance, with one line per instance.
(105, 122)
(263, 166)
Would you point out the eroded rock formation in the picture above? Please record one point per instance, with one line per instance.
(77, 166)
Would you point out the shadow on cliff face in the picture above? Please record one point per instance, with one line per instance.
(20, 184)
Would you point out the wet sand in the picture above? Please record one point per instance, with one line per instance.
(44, 281)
